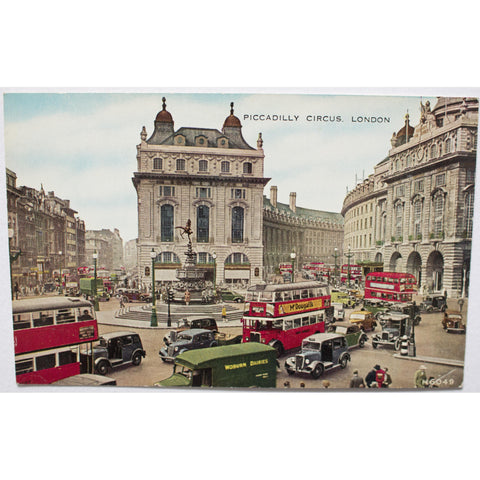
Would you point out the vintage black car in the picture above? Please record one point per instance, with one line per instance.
(320, 352)
(207, 323)
(394, 327)
(116, 349)
(188, 340)
(452, 322)
(355, 336)
(402, 307)
(434, 303)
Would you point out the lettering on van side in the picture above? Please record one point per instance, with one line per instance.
(235, 366)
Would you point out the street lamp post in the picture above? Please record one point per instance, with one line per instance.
(153, 320)
(292, 256)
(95, 297)
(60, 255)
(349, 256)
(214, 256)
(335, 256)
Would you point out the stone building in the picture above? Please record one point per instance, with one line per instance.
(213, 178)
(311, 234)
(130, 255)
(47, 232)
(415, 212)
(109, 248)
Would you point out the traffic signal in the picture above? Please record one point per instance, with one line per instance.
(147, 271)
(170, 295)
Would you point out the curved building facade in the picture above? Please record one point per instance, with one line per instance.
(415, 212)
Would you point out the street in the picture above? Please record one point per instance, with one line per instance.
(431, 341)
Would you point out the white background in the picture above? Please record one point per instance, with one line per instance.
(410, 47)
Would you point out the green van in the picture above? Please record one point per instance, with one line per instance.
(242, 365)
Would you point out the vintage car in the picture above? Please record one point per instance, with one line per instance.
(395, 326)
(133, 295)
(434, 303)
(364, 319)
(353, 333)
(375, 305)
(196, 338)
(320, 352)
(114, 350)
(401, 307)
(207, 323)
(229, 296)
(453, 322)
(338, 312)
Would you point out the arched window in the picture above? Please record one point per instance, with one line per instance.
(438, 207)
(468, 214)
(225, 167)
(180, 164)
(237, 258)
(203, 165)
(237, 224)
(203, 223)
(433, 151)
(247, 167)
(168, 257)
(166, 223)
(448, 145)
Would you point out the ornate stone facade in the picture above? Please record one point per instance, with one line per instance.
(211, 177)
(415, 212)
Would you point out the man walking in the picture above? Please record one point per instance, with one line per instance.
(356, 381)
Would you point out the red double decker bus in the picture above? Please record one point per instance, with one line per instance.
(283, 315)
(355, 273)
(390, 286)
(48, 333)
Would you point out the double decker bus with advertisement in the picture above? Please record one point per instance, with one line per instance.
(355, 273)
(390, 286)
(283, 315)
(48, 333)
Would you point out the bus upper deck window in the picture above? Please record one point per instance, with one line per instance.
(304, 293)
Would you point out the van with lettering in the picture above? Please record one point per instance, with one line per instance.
(243, 365)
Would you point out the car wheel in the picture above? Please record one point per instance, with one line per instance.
(397, 345)
(317, 372)
(137, 359)
(290, 372)
(102, 368)
(429, 309)
(278, 347)
(238, 300)
(361, 343)
(374, 344)
(344, 362)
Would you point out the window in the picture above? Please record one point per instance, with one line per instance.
(45, 361)
(468, 214)
(438, 206)
(398, 220)
(157, 164)
(203, 165)
(166, 223)
(470, 176)
(247, 167)
(400, 190)
(24, 366)
(167, 191)
(418, 186)
(433, 151)
(203, 220)
(237, 224)
(440, 180)
(180, 164)
(448, 145)
(169, 257)
(203, 192)
(238, 193)
(225, 167)
(67, 357)
(417, 220)
(237, 258)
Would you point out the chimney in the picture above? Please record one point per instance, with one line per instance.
(293, 201)
(273, 196)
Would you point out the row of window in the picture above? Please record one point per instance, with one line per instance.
(203, 258)
(180, 165)
(203, 224)
(201, 192)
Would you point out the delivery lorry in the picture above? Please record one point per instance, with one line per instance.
(243, 365)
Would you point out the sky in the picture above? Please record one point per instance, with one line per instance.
(82, 145)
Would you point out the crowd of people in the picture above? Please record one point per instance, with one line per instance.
(379, 377)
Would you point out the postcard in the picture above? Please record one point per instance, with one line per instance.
(240, 240)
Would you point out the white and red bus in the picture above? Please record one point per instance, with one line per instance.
(390, 286)
(355, 273)
(48, 333)
(283, 315)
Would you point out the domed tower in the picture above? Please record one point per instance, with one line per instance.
(163, 125)
(404, 134)
(232, 128)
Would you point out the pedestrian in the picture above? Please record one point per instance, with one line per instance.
(420, 379)
(286, 385)
(380, 376)
(370, 378)
(122, 304)
(325, 383)
(388, 379)
(302, 385)
(356, 381)
(224, 314)
(187, 298)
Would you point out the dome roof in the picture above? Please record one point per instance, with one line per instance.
(163, 116)
(403, 131)
(232, 120)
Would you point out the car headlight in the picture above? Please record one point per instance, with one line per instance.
(176, 349)
(307, 361)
